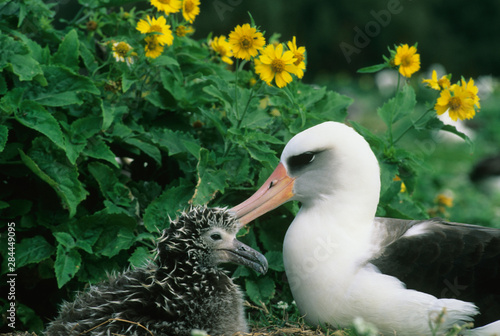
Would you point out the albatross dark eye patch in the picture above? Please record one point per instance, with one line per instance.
(301, 160)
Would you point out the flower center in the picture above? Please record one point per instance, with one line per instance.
(222, 51)
(455, 103)
(155, 28)
(278, 65)
(299, 58)
(122, 49)
(152, 43)
(406, 60)
(246, 42)
(181, 31)
(165, 2)
(188, 6)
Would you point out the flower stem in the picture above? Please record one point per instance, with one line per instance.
(411, 126)
(236, 90)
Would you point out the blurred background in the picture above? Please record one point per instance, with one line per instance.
(464, 35)
(342, 36)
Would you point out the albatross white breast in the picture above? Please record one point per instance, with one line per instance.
(342, 262)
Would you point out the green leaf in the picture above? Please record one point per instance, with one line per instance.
(148, 149)
(65, 239)
(375, 141)
(32, 251)
(373, 68)
(97, 149)
(167, 205)
(87, 233)
(117, 236)
(110, 113)
(11, 101)
(241, 272)
(398, 107)
(35, 116)
(333, 106)
(16, 56)
(175, 142)
(49, 163)
(210, 180)
(140, 257)
(275, 260)
(79, 132)
(257, 118)
(108, 234)
(3, 86)
(67, 265)
(4, 134)
(29, 318)
(171, 64)
(88, 58)
(389, 187)
(223, 97)
(262, 154)
(63, 88)
(453, 129)
(110, 186)
(68, 51)
(260, 291)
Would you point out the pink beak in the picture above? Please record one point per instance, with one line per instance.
(277, 190)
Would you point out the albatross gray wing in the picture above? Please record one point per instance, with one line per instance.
(447, 260)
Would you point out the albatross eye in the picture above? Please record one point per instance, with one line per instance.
(300, 160)
(215, 236)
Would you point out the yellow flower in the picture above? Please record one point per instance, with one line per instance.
(437, 84)
(159, 26)
(223, 48)
(471, 91)
(182, 30)
(167, 6)
(403, 185)
(407, 59)
(442, 199)
(153, 46)
(299, 54)
(457, 101)
(275, 64)
(122, 52)
(190, 8)
(246, 41)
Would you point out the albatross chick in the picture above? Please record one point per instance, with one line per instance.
(181, 290)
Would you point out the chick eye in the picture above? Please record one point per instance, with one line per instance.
(215, 236)
(301, 159)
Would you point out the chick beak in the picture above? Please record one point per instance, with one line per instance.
(241, 254)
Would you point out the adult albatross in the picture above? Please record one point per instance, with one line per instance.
(342, 262)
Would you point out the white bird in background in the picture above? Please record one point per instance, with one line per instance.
(342, 262)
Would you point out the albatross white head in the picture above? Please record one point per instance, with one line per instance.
(329, 168)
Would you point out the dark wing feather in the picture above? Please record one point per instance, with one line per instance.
(447, 260)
